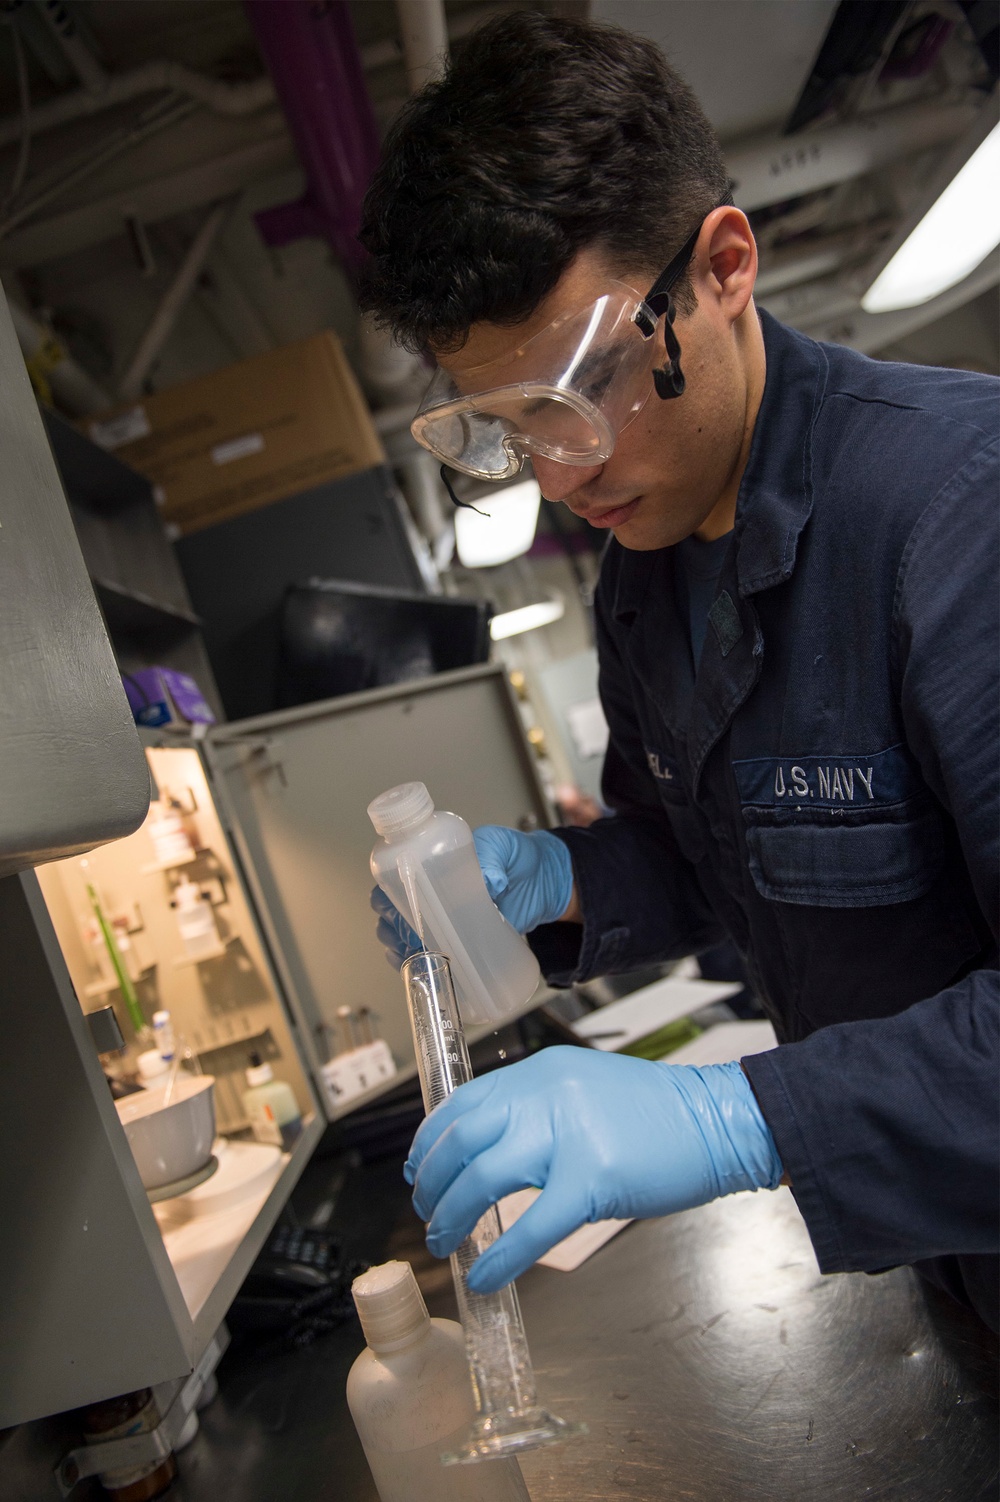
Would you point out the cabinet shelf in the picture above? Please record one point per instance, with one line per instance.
(174, 865)
(210, 954)
(105, 987)
(135, 614)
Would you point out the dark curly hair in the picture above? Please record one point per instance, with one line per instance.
(546, 135)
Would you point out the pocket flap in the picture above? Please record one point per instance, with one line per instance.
(846, 865)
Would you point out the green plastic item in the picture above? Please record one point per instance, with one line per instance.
(657, 1045)
(122, 976)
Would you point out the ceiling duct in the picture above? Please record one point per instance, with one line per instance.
(314, 60)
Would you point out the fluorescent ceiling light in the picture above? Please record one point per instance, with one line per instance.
(958, 232)
(527, 618)
(505, 530)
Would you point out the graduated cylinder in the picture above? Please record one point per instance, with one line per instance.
(508, 1416)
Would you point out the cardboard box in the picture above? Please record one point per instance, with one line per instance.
(246, 435)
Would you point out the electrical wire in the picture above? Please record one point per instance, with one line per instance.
(157, 118)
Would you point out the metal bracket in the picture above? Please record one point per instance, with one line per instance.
(155, 1444)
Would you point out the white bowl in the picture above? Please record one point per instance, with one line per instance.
(170, 1138)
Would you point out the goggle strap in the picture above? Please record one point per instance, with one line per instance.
(658, 298)
(448, 487)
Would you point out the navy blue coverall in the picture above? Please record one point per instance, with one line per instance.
(824, 791)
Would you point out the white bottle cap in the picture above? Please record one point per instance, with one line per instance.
(390, 1305)
(151, 1064)
(400, 808)
(161, 1018)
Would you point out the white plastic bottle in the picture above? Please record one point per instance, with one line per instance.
(195, 920)
(271, 1107)
(427, 858)
(410, 1397)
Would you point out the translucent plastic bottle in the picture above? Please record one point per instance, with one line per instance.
(426, 862)
(410, 1398)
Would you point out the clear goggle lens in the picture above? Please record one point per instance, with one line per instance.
(590, 376)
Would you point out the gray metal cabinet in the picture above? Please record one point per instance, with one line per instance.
(104, 1292)
(71, 770)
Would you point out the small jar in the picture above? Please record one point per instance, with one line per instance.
(132, 1413)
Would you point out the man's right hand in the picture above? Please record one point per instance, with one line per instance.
(529, 877)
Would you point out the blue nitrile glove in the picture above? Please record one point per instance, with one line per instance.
(529, 876)
(392, 930)
(604, 1136)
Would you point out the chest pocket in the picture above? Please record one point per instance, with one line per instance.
(836, 864)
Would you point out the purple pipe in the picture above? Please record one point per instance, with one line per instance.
(312, 54)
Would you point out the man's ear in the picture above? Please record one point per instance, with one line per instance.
(724, 265)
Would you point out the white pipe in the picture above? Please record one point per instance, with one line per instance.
(78, 392)
(162, 322)
(778, 167)
(869, 332)
(79, 56)
(151, 78)
(791, 266)
(424, 34)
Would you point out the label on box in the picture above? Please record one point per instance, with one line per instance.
(356, 1072)
(127, 427)
(238, 448)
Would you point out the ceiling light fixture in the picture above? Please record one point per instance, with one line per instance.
(505, 530)
(527, 618)
(958, 231)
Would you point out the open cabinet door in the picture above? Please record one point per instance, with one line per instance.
(71, 767)
(295, 787)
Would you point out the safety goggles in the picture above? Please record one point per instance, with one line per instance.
(566, 393)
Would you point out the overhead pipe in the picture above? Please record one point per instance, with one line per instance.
(75, 50)
(50, 364)
(424, 33)
(869, 332)
(213, 93)
(152, 78)
(775, 168)
(162, 323)
(809, 260)
(313, 57)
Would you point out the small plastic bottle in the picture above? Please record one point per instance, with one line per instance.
(195, 920)
(271, 1106)
(427, 857)
(410, 1397)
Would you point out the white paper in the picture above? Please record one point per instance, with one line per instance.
(237, 448)
(127, 427)
(588, 728)
(573, 1251)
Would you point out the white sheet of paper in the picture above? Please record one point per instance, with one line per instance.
(588, 727)
(653, 1007)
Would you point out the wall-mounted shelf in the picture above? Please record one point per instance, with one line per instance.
(210, 954)
(105, 987)
(174, 865)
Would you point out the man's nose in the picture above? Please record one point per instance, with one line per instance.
(558, 481)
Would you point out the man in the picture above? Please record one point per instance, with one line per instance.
(797, 620)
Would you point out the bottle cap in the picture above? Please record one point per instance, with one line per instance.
(400, 808)
(390, 1305)
(258, 1073)
(151, 1064)
(161, 1018)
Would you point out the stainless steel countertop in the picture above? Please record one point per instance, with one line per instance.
(713, 1362)
(708, 1356)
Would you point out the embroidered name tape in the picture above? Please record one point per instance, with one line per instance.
(663, 768)
(834, 781)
